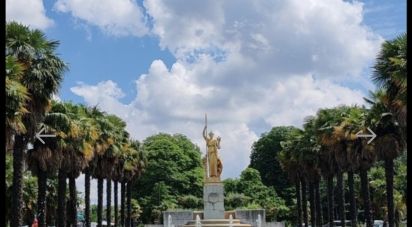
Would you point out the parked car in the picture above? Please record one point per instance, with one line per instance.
(378, 223)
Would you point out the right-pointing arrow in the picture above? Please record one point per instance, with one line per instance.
(372, 135)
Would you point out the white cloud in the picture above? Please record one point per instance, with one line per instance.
(281, 36)
(250, 65)
(169, 101)
(28, 12)
(56, 98)
(115, 17)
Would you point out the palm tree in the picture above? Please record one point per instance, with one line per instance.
(108, 200)
(117, 175)
(61, 197)
(318, 204)
(74, 135)
(134, 164)
(99, 145)
(87, 197)
(80, 154)
(390, 74)
(308, 156)
(43, 73)
(360, 155)
(326, 124)
(327, 165)
(366, 160)
(44, 159)
(357, 151)
(115, 151)
(122, 202)
(389, 142)
(115, 198)
(108, 145)
(304, 201)
(16, 98)
(289, 163)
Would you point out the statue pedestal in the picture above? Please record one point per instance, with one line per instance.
(213, 200)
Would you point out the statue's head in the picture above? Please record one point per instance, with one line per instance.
(211, 134)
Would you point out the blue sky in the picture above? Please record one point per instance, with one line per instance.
(94, 56)
(251, 65)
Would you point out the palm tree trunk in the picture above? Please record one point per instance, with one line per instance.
(331, 201)
(73, 201)
(129, 205)
(41, 197)
(366, 197)
(122, 203)
(318, 203)
(108, 201)
(304, 202)
(341, 197)
(389, 191)
(17, 202)
(353, 210)
(61, 194)
(99, 201)
(115, 204)
(312, 204)
(299, 202)
(87, 198)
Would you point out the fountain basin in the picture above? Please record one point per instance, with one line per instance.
(218, 223)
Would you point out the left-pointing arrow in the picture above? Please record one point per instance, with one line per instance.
(39, 136)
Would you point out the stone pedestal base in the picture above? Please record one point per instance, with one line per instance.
(213, 200)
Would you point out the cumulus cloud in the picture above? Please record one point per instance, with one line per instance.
(170, 101)
(326, 38)
(249, 65)
(115, 17)
(28, 12)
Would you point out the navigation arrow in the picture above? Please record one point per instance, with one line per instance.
(39, 136)
(372, 135)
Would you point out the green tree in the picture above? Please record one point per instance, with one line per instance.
(308, 157)
(289, 161)
(251, 188)
(353, 121)
(389, 142)
(16, 96)
(235, 200)
(263, 159)
(99, 145)
(189, 202)
(175, 161)
(390, 73)
(43, 73)
(135, 166)
(333, 151)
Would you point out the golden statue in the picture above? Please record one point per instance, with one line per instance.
(212, 163)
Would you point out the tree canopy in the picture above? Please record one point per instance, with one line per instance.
(263, 158)
(173, 173)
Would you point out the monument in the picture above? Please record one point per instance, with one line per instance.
(214, 214)
(213, 190)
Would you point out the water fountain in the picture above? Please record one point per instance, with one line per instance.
(259, 221)
(169, 221)
(198, 223)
